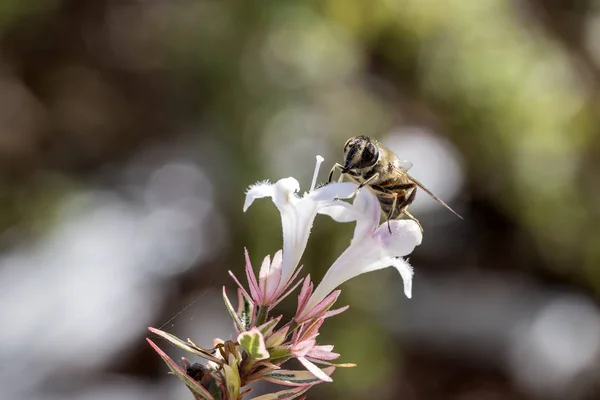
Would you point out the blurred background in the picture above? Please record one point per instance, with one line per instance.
(129, 131)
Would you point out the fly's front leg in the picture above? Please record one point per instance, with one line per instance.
(335, 166)
(365, 183)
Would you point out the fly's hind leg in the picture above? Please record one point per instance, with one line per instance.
(409, 200)
(410, 216)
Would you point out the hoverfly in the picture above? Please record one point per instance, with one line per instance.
(369, 163)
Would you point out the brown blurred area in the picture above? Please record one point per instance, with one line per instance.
(130, 130)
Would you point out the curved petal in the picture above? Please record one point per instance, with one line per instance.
(340, 212)
(374, 252)
(365, 210)
(273, 282)
(405, 270)
(296, 223)
(257, 191)
(406, 234)
(298, 215)
(335, 190)
(366, 205)
(285, 193)
(316, 371)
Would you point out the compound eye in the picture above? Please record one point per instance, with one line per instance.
(370, 154)
(347, 143)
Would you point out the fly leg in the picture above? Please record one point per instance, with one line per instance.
(402, 207)
(365, 183)
(335, 166)
(391, 212)
(410, 216)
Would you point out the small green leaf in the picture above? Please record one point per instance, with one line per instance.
(186, 346)
(253, 342)
(267, 328)
(280, 352)
(245, 309)
(194, 386)
(287, 394)
(232, 378)
(295, 378)
(239, 325)
(278, 337)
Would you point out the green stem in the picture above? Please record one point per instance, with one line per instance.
(261, 317)
(293, 326)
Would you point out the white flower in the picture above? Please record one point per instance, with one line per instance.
(372, 247)
(297, 213)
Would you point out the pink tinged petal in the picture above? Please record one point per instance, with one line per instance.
(274, 284)
(273, 280)
(283, 287)
(302, 348)
(406, 235)
(375, 251)
(323, 353)
(263, 276)
(320, 308)
(256, 295)
(312, 331)
(305, 294)
(335, 312)
(316, 371)
(286, 294)
(257, 191)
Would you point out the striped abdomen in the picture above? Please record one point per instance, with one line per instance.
(386, 200)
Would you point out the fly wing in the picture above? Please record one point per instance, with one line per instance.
(421, 186)
(403, 165)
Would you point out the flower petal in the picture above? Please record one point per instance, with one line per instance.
(316, 371)
(252, 284)
(365, 210)
(366, 205)
(403, 267)
(273, 282)
(335, 190)
(406, 235)
(305, 293)
(340, 212)
(375, 251)
(313, 311)
(285, 192)
(323, 353)
(257, 191)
